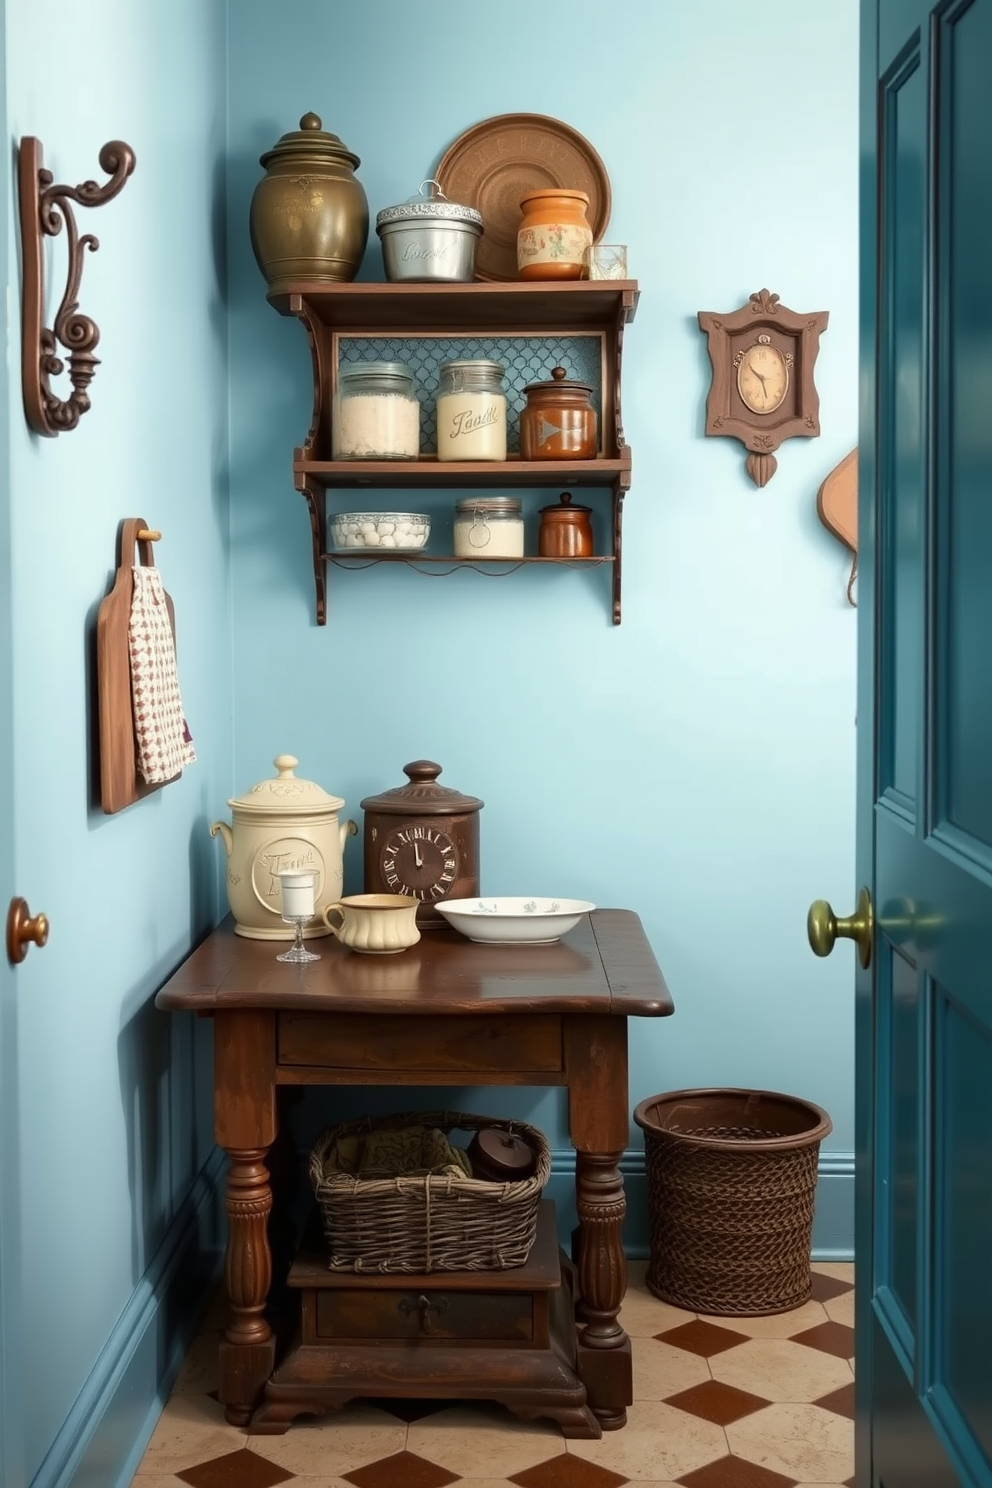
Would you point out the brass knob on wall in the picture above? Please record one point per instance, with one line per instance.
(22, 930)
(824, 928)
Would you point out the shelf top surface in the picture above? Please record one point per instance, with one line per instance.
(441, 474)
(508, 306)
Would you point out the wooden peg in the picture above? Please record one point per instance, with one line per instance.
(146, 534)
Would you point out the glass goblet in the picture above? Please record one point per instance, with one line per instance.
(298, 951)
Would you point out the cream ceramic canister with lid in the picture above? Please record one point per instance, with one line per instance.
(282, 823)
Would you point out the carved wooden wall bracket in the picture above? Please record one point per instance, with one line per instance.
(44, 207)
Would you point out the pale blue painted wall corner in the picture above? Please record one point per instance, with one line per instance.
(690, 765)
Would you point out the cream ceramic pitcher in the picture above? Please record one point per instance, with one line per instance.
(282, 823)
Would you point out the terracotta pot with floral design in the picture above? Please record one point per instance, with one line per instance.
(553, 234)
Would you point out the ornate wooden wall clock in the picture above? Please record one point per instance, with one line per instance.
(422, 839)
(762, 390)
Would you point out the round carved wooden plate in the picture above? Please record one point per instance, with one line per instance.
(493, 164)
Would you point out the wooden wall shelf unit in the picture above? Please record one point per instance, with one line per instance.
(335, 313)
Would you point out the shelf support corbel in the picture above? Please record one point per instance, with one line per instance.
(44, 207)
(315, 499)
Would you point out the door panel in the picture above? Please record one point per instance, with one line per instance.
(900, 435)
(963, 714)
(924, 1224)
(898, 1260)
(962, 1370)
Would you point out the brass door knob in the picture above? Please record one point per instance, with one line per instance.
(22, 929)
(823, 927)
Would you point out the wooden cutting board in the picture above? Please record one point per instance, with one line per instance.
(837, 508)
(120, 783)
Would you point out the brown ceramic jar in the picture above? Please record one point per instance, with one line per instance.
(559, 421)
(565, 530)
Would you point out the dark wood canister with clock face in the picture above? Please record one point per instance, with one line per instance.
(422, 839)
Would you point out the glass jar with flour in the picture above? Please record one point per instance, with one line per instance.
(471, 410)
(375, 413)
(489, 527)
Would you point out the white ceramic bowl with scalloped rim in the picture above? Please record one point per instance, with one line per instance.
(513, 921)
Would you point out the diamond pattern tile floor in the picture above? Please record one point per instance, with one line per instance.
(404, 1470)
(718, 1403)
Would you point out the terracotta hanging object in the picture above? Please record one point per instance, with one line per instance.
(837, 508)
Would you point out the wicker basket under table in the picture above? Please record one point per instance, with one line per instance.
(434, 1223)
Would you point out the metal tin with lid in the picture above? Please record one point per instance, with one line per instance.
(428, 238)
(489, 527)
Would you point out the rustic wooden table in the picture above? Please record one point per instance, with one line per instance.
(445, 1012)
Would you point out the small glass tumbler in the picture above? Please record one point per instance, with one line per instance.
(605, 261)
(297, 887)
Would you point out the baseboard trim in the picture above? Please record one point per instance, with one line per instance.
(105, 1433)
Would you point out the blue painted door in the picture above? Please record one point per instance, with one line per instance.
(924, 1007)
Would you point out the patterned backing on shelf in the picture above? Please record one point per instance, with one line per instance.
(526, 359)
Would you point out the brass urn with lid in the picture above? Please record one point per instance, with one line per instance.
(309, 217)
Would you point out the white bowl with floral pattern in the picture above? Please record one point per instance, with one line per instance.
(513, 921)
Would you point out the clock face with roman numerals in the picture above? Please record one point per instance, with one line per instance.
(419, 860)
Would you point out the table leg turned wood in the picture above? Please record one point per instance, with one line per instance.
(596, 1062)
(245, 1126)
(247, 1354)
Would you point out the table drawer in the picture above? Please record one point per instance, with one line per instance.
(360, 1041)
(435, 1314)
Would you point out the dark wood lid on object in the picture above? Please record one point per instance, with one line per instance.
(560, 389)
(497, 1155)
(423, 796)
(565, 511)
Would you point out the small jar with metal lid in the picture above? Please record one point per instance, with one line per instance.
(559, 421)
(375, 413)
(489, 527)
(565, 530)
(471, 410)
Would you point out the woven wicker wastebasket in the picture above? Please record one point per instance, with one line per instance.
(731, 1182)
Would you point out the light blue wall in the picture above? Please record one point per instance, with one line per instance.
(696, 765)
(113, 1115)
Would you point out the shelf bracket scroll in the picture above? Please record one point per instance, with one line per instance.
(44, 208)
(315, 500)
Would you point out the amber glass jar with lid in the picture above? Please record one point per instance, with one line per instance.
(559, 421)
(489, 527)
(553, 235)
(565, 530)
(375, 413)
